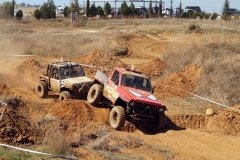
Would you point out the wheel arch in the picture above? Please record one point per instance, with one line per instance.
(66, 89)
(120, 102)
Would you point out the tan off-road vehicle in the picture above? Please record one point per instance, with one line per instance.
(66, 78)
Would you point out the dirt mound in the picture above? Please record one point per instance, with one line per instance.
(25, 75)
(104, 61)
(179, 83)
(226, 121)
(71, 117)
(153, 68)
(15, 127)
(6, 91)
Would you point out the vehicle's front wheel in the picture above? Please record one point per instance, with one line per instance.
(42, 89)
(117, 117)
(159, 122)
(94, 94)
(64, 95)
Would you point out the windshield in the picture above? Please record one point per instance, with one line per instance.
(71, 71)
(136, 82)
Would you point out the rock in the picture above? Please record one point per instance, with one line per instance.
(209, 112)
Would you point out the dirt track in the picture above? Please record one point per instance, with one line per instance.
(188, 136)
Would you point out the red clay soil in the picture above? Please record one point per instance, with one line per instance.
(178, 83)
(225, 121)
(16, 126)
(154, 68)
(25, 75)
(103, 61)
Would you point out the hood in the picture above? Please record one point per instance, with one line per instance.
(77, 80)
(133, 94)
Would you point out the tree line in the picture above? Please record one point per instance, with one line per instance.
(48, 10)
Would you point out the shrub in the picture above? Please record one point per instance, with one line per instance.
(226, 17)
(236, 16)
(191, 27)
(7, 10)
(19, 14)
(37, 14)
(214, 16)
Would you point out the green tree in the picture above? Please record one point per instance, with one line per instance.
(66, 11)
(225, 10)
(125, 9)
(19, 15)
(195, 15)
(214, 16)
(150, 10)
(202, 15)
(48, 10)
(171, 9)
(160, 8)
(93, 10)
(208, 15)
(87, 8)
(132, 8)
(107, 8)
(180, 10)
(37, 14)
(99, 11)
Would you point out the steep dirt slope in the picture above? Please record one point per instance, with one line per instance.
(178, 84)
(25, 75)
(101, 61)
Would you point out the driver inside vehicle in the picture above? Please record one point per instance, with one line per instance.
(64, 71)
(127, 82)
(139, 83)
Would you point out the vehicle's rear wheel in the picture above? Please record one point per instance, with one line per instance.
(159, 122)
(64, 95)
(94, 94)
(117, 117)
(42, 89)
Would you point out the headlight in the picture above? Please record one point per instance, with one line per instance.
(131, 104)
(161, 109)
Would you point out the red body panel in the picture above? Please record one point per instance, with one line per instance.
(113, 91)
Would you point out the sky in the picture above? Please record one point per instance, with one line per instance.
(208, 6)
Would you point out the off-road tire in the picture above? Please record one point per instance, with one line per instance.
(64, 95)
(42, 89)
(159, 123)
(117, 117)
(94, 94)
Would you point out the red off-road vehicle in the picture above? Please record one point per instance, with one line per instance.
(130, 93)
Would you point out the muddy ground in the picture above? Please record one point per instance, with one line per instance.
(85, 129)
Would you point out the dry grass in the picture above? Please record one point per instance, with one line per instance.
(217, 54)
(54, 142)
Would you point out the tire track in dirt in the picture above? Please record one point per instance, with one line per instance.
(142, 46)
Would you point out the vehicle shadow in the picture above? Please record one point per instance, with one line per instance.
(52, 96)
(144, 127)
